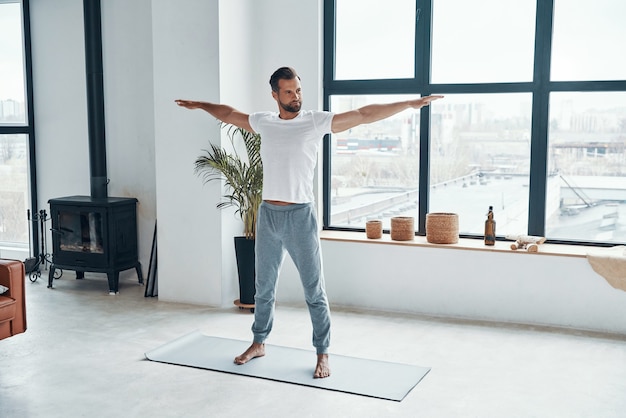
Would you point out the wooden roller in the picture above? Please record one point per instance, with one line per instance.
(529, 243)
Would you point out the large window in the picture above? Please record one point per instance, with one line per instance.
(533, 121)
(16, 131)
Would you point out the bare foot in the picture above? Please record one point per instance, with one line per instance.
(322, 369)
(254, 351)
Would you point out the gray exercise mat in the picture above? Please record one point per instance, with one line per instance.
(373, 378)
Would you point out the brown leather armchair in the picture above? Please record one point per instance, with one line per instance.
(13, 301)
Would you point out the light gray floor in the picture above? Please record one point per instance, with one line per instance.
(83, 356)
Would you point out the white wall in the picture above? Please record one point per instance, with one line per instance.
(236, 64)
(512, 287)
(60, 99)
(156, 51)
(186, 65)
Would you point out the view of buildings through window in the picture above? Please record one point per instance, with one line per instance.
(14, 189)
(481, 135)
(587, 183)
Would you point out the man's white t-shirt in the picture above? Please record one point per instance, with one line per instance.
(289, 150)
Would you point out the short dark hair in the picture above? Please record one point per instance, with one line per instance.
(283, 73)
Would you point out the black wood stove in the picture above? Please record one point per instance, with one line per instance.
(95, 233)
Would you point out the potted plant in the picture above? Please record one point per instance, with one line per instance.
(243, 177)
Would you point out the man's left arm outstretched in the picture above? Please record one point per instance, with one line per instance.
(375, 112)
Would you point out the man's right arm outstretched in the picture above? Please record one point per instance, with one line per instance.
(221, 112)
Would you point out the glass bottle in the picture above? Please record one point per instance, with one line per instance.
(490, 228)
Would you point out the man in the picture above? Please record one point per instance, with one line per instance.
(286, 221)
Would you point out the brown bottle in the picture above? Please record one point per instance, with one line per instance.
(490, 228)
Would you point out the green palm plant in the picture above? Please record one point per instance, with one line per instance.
(243, 176)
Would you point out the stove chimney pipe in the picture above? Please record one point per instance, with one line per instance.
(95, 98)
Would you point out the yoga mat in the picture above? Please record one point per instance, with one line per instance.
(378, 379)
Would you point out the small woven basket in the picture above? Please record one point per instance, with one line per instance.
(374, 229)
(442, 228)
(402, 228)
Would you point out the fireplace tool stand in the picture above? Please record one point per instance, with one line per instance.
(33, 264)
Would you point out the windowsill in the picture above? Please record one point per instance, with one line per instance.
(563, 250)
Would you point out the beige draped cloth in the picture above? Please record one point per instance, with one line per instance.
(610, 263)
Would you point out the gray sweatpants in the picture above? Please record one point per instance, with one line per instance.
(291, 228)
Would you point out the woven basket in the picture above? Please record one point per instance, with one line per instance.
(442, 228)
(402, 228)
(374, 229)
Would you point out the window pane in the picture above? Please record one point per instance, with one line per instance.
(483, 41)
(13, 189)
(375, 167)
(12, 96)
(588, 40)
(375, 39)
(480, 157)
(587, 187)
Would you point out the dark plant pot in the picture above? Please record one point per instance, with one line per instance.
(244, 251)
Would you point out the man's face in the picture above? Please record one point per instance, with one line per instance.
(289, 96)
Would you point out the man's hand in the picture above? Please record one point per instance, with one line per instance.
(423, 101)
(189, 104)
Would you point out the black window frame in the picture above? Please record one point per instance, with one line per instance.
(29, 128)
(540, 87)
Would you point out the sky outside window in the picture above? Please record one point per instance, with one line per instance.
(375, 39)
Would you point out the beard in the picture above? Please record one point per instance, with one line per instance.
(293, 107)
